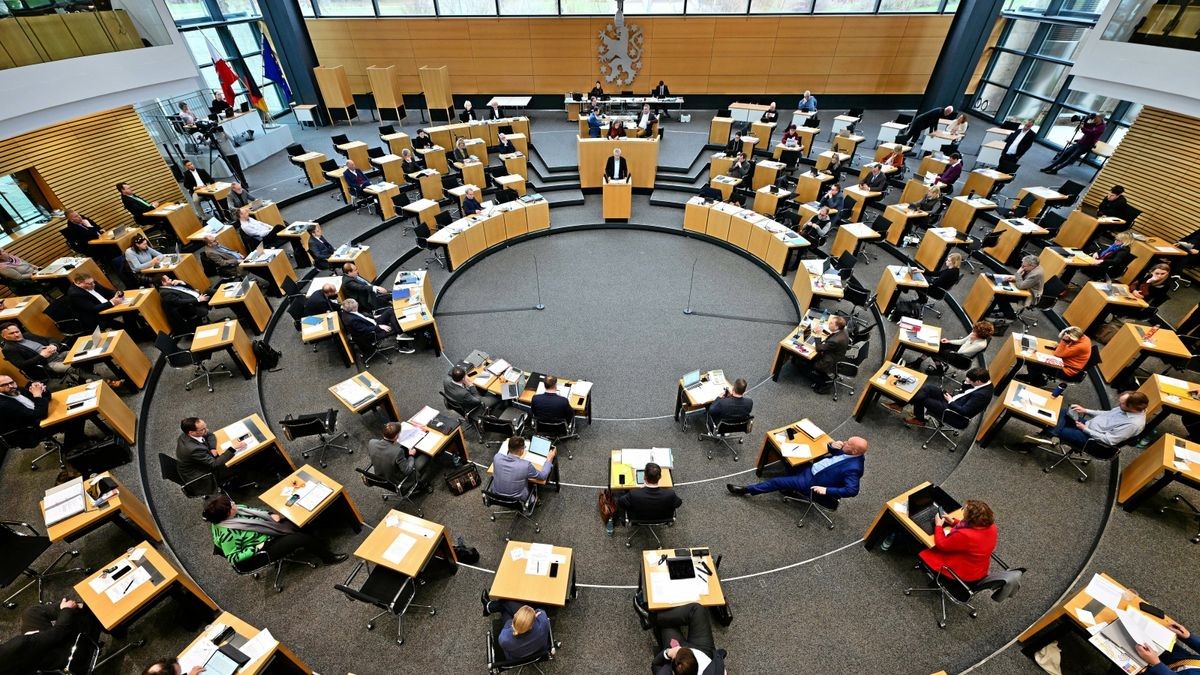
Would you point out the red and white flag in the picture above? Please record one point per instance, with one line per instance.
(224, 73)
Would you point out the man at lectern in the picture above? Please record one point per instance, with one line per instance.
(616, 168)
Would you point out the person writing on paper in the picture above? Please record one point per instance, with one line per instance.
(967, 549)
(468, 113)
(1112, 427)
(170, 666)
(526, 631)
(241, 532)
(462, 392)
(549, 406)
(696, 652)
(197, 453)
(471, 205)
(972, 400)
(770, 114)
(89, 299)
(649, 503)
(836, 474)
(504, 146)
(895, 158)
(1074, 349)
(949, 176)
(34, 355)
(390, 461)
(1015, 147)
(512, 472)
(616, 168)
(733, 405)
(969, 345)
(47, 638)
(1178, 660)
(819, 225)
(808, 102)
(616, 129)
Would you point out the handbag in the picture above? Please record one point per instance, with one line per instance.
(607, 505)
(463, 480)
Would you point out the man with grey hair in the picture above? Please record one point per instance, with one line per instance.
(1029, 277)
(227, 262)
(372, 327)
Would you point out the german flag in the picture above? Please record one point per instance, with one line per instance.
(253, 92)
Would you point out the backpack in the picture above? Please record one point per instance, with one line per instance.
(464, 553)
(268, 357)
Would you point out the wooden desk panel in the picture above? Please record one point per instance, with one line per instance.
(640, 153)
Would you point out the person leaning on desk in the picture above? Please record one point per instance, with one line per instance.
(974, 399)
(512, 472)
(836, 475)
(967, 549)
(1111, 427)
(1029, 277)
(197, 453)
(616, 168)
(1073, 349)
(322, 301)
(47, 638)
(241, 532)
(693, 654)
(808, 102)
(649, 503)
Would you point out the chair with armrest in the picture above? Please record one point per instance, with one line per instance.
(386, 130)
(404, 489)
(421, 232)
(293, 151)
(370, 345)
(376, 153)
(200, 486)
(651, 525)
(1081, 457)
(255, 564)
(498, 664)
(1050, 292)
(340, 139)
(506, 195)
(507, 422)
(727, 430)
(1009, 209)
(469, 416)
(846, 370)
(556, 431)
(84, 657)
(322, 425)
(33, 436)
(1071, 189)
(822, 505)
(407, 219)
(1002, 584)
(21, 551)
(185, 359)
(855, 293)
(389, 591)
(511, 506)
(935, 294)
(64, 319)
(974, 246)
(947, 427)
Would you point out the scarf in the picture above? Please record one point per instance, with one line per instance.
(257, 520)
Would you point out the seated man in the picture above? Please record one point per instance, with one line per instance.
(968, 403)
(356, 180)
(471, 205)
(368, 295)
(238, 196)
(504, 146)
(949, 176)
(836, 475)
(322, 301)
(135, 205)
(649, 503)
(829, 351)
(37, 356)
(460, 390)
(80, 231)
(367, 329)
(391, 462)
(512, 472)
(740, 167)
(185, 307)
(1178, 660)
(1029, 277)
(526, 631)
(197, 452)
(819, 225)
(47, 638)
(256, 231)
(733, 405)
(1113, 426)
(319, 247)
(89, 299)
(241, 532)
(692, 654)
(549, 406)
(876, 181)
(22, 411)
(227, 261)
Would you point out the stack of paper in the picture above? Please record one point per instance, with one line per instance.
(1105, 592)
(424, 417)
(483, 379)
(796, 450)
(63, 501)
(399, 548)
(312, 494)
(639, 457)
(410, 435)
(498, 367)
(260, 645)
(352, 392)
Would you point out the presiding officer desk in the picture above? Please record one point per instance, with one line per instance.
(488, 131)
(763, 237)
(640, 153)
(467, 237)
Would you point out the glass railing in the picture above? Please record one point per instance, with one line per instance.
(1160, 23)
(39, 31)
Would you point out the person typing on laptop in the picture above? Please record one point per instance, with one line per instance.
(837, 474)
(967, 548)
(512, 472)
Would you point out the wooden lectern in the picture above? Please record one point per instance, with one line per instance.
(618, 199)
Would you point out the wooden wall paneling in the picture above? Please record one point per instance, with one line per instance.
(87, 32)
(16, 43)
(52, 37)
(120, 28)
(1158, 141)
(81, 162)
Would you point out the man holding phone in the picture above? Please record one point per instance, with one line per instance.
(89, 299)
(197, 452)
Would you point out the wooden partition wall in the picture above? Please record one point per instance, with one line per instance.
(1156, 162)
(81, 161)
(697, 55)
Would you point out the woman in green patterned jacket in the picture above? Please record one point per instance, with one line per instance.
(241, 532)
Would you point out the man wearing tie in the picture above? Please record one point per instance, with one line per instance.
(319, 247)
(356, 180)
(1017, 144)
(616, 168)
(661, 91)
(496, 113)
(135, 204)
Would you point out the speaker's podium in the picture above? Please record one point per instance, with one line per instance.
(618, 199)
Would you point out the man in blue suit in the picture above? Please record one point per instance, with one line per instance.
(967, 403)
(836, 474)
(1178, 660)
(594, 122)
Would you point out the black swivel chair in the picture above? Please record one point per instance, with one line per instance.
(422, 233)
(511, 506)
(184, 359)
(822, 505)
(556, 431)
(1082, 456)
(847, 369)
(470, 416)
(727, 430)
(1049, 298)
(323, 426)
(947, 427)
(168, 469)
(376, 153)
(1002, 584)
(370, 345)
(293, 151)
(21, 551)
(340, 139)
(976, 245)
(506, 195)
(507, 421)
(255, 564)
(1009, 209)
(498, 664)
(650, 525)
(404, 489)
(386, 130)
(31, 437)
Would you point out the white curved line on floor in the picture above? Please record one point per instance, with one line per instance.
(601, 487)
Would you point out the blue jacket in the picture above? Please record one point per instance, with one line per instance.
(1178, 653)
(841, 479)
(593, 125)
(531, 642)
(973, 403)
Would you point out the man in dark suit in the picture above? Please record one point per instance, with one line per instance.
(649, 503)
(390, 461)
(356, 180)
(926, 121)
(496, 112)
(382, 323)
(460, 390)
(197, 453)
(135, 204)
(835, 475)
(48, 634)
(973, 400)
(875, 181)
(322, 301)
(661, 90)
(549, 406)
(37, 356)
(369, 296)
(23, 409)
(733, 405)
(616, 168)
(1015, 147)
(829, 351)
(185, 307)
(471, 205)
(468, 113)
(89, 299)
(505, 146)
(695, 652)
(79, 233)
(319, 247)
(194, 178)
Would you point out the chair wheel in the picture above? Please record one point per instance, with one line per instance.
(628, 544)
(371, 625)
(800, 524)
(211, 390)
(187, 387)
(537, 528)
(710, 455)
(831, 527)
(33, 467)
(400, 641)
(1046, 470)
(10, 605)
(1162, 510)
(1196, 539)
(304, 455)
(432, 611)
(493, 518)
(1082, 479)
(279, 589)
(908, 591)
(974, 614)
(941, 624)
(254, 575)
(924, 446)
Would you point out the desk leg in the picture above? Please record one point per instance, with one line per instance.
(447, 552)
(242, 368)
(284, 458)
(678, 401)
(459, 445)
(1148, 491)
(766, 455)
(554, 477)
(869, 396)
(350, 512)
(588, 408)
(781, 358)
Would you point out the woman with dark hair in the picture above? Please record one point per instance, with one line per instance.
(967, 549)
(1153, 287)
(241, 532)
(616, 129)
(422, 140)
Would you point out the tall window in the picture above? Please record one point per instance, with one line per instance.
(1028, 73)
(232, 26)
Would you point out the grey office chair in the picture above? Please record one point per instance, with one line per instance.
(947, 427)
(949, 586)
(1188, 508)
(727, 430)
(511, 506)
(183, 359)
(822, 505)
(846, 370)
(404, 489)
(1079, 457)
(390, 591)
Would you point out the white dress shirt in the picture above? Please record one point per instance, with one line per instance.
(255, 228)
(1016, 142)
(196, 177)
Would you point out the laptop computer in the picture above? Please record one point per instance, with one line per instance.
(511, 390)
(539, 446)
(691, 380)
(119, 230)
(925, 503)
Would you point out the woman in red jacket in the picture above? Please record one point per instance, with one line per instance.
(968, 548)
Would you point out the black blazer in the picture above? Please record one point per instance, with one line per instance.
(421, 142)
(926, 120)
(467, 115)
(189, 181)
(831, 350)
(359, 326)
(362, 291)
(79, 236)
(320, 248)
(974, 403)
(649, 503)
(1020, 149)
(181, 308)
(661, 91)
(877, 183)
(496, 113)
(662, 665)
(461, 154)
(609, 171)
(506, 147)
(25, 359)
(87, 307)
(17, 416)
(317, 303)
(471, 206)
(194, 457)
(944, 278)
(551, 407)
(46, 649)
(411, 165)
(770, 116)
(138, 208)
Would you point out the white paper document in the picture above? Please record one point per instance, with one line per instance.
(1105, 592)
(425, 416)
(676, 591)
(796, 450)
(126, 584)
(260, 645)
(418, 530)
(352, 392)
(399, 548)
(312, 495)
(197, 655)
(811, 430)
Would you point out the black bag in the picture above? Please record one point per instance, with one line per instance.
(99, 457)
(268, 357)
(463, 480)
(723, 614)
(465, 554)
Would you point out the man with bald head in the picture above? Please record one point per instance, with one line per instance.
(324, 300)
(836, 474)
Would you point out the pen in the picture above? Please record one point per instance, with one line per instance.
(127, 587)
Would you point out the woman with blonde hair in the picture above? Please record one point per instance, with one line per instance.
(526, 630)
(958, 128)
(1114, 258)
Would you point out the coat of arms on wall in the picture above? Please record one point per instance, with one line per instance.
(621, 49)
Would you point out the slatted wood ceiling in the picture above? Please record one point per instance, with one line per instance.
(82, 161)
(1157, 163)
(716, 55)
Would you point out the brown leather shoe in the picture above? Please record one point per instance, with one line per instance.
(115, 384)
(894, 407)
(914, 422)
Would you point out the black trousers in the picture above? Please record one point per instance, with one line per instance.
(931, 398)
(671, 623)
(281, 547)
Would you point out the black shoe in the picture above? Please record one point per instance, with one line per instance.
(335, 559)
(1050, 171)
(486, 599)
(737, 490)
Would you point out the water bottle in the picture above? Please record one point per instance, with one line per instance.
(1062, 386)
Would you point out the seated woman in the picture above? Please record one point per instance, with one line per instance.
(526, 630)
(894, 158)
(409, 162)
(241, 532)
(791, 137)
(818, 226)
(958, 128)
(1073, 348)
(1154, 286)
(422, 140)
(1113, 258)
(461, 153)
(617, 129)
(967, 550)
(931, 200)
(969, 345)
(945, 278)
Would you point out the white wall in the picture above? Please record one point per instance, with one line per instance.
(34, 96)
(1153, 76)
